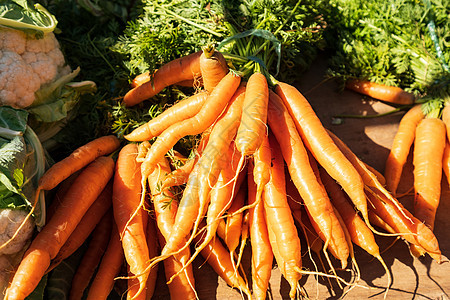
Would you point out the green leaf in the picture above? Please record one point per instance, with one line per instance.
(27, 16)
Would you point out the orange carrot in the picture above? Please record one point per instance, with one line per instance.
(142, 78)
(381, 92)
(92, 257)
(427, 159)
(110, 266)
(302, 174)
(262, 255)
(446, 118)
(77, 160)
(279, 219)
(87, 224)
(180, 69)
(59, 195)
(166, 205)
(233, 225)
(446, 161)
(213, 67)
(211, 110)
(128, 212)
(45, 246)
(404, 223)
(401, 146)
(153, 251)
(182, 110)
(219, 259)
(322, 146)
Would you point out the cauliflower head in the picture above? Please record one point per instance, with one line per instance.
(27, 64)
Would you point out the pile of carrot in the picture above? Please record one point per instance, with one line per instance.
(265, 172)
(426, 134)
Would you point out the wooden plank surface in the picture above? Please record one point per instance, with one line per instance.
(370, 139)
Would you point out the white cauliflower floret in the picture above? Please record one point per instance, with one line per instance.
(10, 220)
(26, 64)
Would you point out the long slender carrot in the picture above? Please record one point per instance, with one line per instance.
(110, 266)
(262, 255)
(234, 221)
(45, 246)
(322, 146)
(213, 67)
(446, 161)
(146, 76)
(153, 251)
(401, 147)
(92, 257)
(312, 192)
(211, 110)
(182, 110)
(279, 219)
(445, 116)
(219, 259)
(166, 206)
(427, 159)
(379, 91)
(87, 224)
(183, 68)
(128, 212)
(77, 160)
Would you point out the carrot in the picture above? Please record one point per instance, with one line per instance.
(252, 127)
(446, 161)
(210, 111)
(128, 212)
(153, 251)
(61, 190)
(142, 78)
(213, 67)
(45, 246)
(262, 255)
(401, 146)
(445, 116)
(381, 92)
(279, 219)
(427, 159)
(77, 160)
(219, 259)
(180, 69)
(182, 110)
(165, 206)
(87, 224)
(404, 223)
(322, 146)
(302, 174)
(110, 266)
(92, 257)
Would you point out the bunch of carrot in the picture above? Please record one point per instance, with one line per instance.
(265, 171)
(425, 133)
(256, 128)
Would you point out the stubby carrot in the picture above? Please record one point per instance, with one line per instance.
(180, 69)
(401, 147)
(391, 94)
(45, 246)
(213, 67)
(129, 213)
(182, 110)
(320, 144)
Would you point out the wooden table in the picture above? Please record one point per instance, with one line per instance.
(370, 139)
